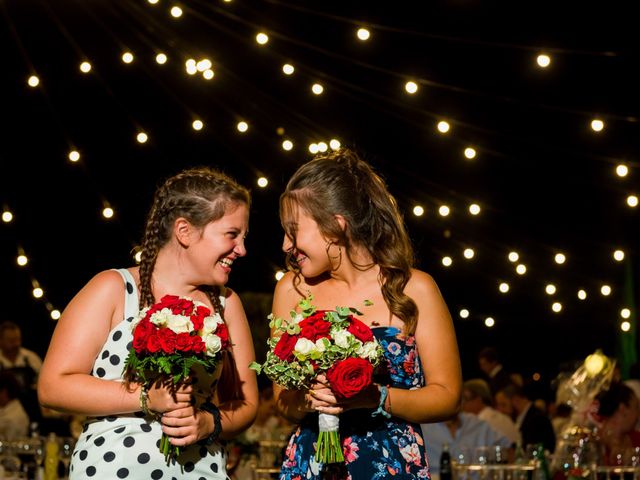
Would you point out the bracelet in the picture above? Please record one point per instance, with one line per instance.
(384, 391)
(217, 422)
(144, 400)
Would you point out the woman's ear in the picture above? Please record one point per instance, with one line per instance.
(341, 221)
(183, 231)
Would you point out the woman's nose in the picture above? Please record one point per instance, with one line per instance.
(240, 249)
(287, 244)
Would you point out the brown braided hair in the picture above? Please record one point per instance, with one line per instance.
(340, 183)
(200, 195)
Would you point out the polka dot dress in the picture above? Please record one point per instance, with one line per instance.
(127, 446)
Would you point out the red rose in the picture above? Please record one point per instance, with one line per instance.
(223, 333)
(168, 301)
(183, 342)
(284, 348)
(315, 327)
(153, 342)
(198, 316)
(360, 330)
(141, 334)
(350, 376)
(183, 307)
(197, 345)
(167, 340)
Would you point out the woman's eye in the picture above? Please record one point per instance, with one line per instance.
(232, 234)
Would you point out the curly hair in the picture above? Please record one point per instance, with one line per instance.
(340, 183)
(200, 195)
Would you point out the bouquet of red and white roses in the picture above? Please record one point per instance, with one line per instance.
(170, 338)
(333, 342)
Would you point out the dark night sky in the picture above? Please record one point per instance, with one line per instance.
(545, 181)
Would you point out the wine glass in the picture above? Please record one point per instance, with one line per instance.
(66, 449)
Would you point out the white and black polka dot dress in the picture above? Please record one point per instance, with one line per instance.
(127, 446)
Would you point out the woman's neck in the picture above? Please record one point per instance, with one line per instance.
(169, 275)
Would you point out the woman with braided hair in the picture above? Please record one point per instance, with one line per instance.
(194, 233)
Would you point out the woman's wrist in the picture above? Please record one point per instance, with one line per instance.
(216, 429)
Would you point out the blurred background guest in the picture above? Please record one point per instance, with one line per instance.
(14, 421)
(618, 412)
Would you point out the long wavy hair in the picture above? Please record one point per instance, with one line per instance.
(200, 195)
(340, 183)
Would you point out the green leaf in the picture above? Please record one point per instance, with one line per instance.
(368, 303)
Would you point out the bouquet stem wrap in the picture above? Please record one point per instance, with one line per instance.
(329, 446)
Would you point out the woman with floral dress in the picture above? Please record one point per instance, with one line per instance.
(346, 245)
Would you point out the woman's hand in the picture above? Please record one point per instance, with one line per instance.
(163, 396)
(186, 426)
(322, 399)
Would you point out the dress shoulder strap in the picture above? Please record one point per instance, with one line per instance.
(131, 293)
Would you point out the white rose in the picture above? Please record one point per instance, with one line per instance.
(210, 324)
(341, 337)
(298, 318)
(304, 346)
(180, 324)
(161, 318)
(320, 345)
(213, 344)
(368, 350)
(136, 320)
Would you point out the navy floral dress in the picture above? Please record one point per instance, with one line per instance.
(374, 447)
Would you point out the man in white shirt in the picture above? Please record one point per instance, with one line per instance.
(12, 354)
(476, 399)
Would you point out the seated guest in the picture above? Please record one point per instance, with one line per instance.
(14, 422)
(476, 399)
(618, 412)
(534, 425)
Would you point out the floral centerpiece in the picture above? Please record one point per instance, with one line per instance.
(170, 339)
(333, 342)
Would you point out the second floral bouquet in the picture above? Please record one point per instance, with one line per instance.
(330, 342)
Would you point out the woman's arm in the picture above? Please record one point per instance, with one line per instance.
(65, 382)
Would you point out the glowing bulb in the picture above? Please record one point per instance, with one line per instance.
(33, 81)
(594, 363)
(55, 314)
(242, 127)
(288, 69)
(560, 258)
(622, 170)
(474, 209)
(107, 212)
(470, 153)
(142, 137)
(443, 127)
(582, 294)
(38, 292)
(263, 182)
(536, 377)
(411, 87)
(279, 275)
(618, 255)
(543, 60)
(138, 256)
(22, 260)
(7, 216)
(176, 12)
(287, 145)
(632, 201)
(153, 2)
(469, 253)
(556, 307)
(322, 147)
(625, 326)
(418, 211)
(317, 89)
(85, 67)
(127, 57)
(197, 124)
(313, 148)
(489, 322)
(464, 313)
(262, 38)
(513, 257)
(363, 34)
(597, 125)
(208, 74)
(161, 58)
(444, 210)
(550, 289)
(447, 261)
(74, 155)
(335, 144)
(521, 269)
(625, 313)
(605, 290)
(203, 65)
(191, 66)
(503, 287)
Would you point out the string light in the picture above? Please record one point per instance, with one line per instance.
(543, 60)
(262, 38)
(582, 294)
(418, 210)
(550, 289)
(7, 216)
(313, 148)
(317, 89)
(279, 275)
(22, 260)
(503, 287)
(625, 313)
(288, 69)
(560, 258)
(138, 256)
(197, 125)
(443, 127)
(444, 210)
(204, 64)
(464, 313)
(33, 81)
(287, 145)
(55, 314)
(208, 74)
(618, 255)
(153, 2)
(85, 67)
(74, 156)
(191, 66)
(447, 261)
(411, 87)
(322, 147)
(632, 201)
(161, 58)
(469, 253)
(605, 290)
(597, 125)
(242, 127)
(470, 153)
(38, 292)
(335, 144)
(521, 269)
(625, 326)
(556, 307)
(107, 212)
(142, 137)
(622, 170)
(263, 182)
(127, 57)
(489, 322)
(176, 12)
(513, 257)
(474, 209)
(363, 34)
